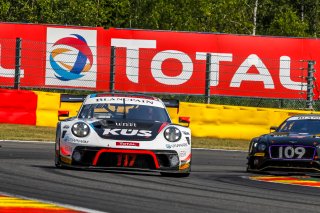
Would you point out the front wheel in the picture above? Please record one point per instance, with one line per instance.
(57, 160)
(250, 165)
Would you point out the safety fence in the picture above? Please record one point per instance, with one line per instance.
(219, 78)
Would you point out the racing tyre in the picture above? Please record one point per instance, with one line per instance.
(57, 161)
(250, 165)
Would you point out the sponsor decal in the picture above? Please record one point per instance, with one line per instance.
(66, 127)
(127, 144)
(308, 117)
(71, 57)
(253, 69)
(126, 124)
(75, 140)
(137, 100)
(171, 146)
(128, 132)
(120, 100)
(185, 133)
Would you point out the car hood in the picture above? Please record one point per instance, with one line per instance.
(127, 129)
(292, 138)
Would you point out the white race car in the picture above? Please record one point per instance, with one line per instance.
(124, 131)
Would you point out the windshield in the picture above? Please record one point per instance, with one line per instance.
(311, 126)
(119, 111)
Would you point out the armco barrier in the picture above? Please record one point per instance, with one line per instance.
(233, 122)
(48, 106)
(18, 107)
(207, 120)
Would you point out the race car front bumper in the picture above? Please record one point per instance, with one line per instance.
(135, 159)
(262, 164)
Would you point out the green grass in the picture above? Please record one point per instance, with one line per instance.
(36, 133)
(214, 143)
(26, 132)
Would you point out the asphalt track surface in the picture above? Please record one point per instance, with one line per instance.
(218, 183)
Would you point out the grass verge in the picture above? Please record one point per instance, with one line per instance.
(37, 133)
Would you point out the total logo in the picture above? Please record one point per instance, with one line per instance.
(71, 57)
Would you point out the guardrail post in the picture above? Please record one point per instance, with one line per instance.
(310, 85)
(208, 74)
(17, 64)
(112, 67)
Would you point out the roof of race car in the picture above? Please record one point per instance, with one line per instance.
(304, 117)
(120, 98)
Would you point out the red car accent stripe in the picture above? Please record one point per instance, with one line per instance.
(126, 151)
(162, 126)
(187, 158)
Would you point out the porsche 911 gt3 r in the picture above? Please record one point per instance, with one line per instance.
(119, 131)
(294, 146)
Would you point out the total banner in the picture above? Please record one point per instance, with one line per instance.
(175, 62)
(69, 57)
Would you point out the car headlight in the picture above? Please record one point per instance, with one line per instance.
(172, 134)
(80, 129)
(261, 147)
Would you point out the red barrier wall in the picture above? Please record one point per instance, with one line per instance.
(18, 107)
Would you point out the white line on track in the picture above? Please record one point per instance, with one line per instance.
(26, 141)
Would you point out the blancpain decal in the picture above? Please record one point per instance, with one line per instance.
(128, 132)
(171, 146)
(137, 100)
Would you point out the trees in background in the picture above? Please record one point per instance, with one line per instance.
(297, 18)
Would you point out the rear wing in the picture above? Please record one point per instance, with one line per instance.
(66, 98)
(72, 98)
(173, 103)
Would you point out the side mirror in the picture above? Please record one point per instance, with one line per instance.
(62, 115)
(273, 128)
(184, 120)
